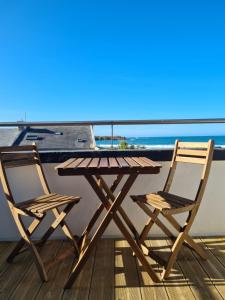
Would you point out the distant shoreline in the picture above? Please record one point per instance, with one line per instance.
(109, 138)
(156, 142)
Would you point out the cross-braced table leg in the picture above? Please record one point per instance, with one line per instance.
(109, 192)
(84, 236)
(111, 214)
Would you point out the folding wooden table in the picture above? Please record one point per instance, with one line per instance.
(93, 169)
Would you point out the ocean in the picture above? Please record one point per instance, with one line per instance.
(161, 142)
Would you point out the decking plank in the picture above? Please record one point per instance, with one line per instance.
(81, 287)
(201, 285)
(177, 286)
(30, 284)
(214, 269)
(217, 246)
(10, 278)
(102, 285)
(150, 289)
(113, 273)
(126, 275)
(5, 250)
(59, 272)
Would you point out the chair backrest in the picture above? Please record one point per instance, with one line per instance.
(18, 156)
(192, 153)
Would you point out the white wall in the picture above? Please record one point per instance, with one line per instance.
(210, 219)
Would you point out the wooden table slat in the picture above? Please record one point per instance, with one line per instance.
(75, 163)
(141, 162)
(65, 163)
(153, 163)
(84, 163)
(107, 166)
(131, 162)
(103, 162)
(122, 162)
(94, 163)
(113, 162)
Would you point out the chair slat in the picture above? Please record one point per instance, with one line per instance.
(192, 160)
(193, 145)
(44, 205)
(17, 148)
(20, 163)
(190, 152)
(42, 198)
(17, 156)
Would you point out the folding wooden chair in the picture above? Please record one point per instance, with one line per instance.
(167, 204)
(37, 207)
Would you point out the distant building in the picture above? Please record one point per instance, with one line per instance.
(8, 136)
(50, 137)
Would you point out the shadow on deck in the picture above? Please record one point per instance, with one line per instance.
(113, 273)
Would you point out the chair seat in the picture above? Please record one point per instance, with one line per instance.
(165, 202)
(41, 204)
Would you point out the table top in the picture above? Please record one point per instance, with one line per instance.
(108, 166)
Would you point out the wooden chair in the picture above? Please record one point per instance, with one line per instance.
(36, 208)
(167, 204)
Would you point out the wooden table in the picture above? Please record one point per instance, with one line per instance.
(93, 169)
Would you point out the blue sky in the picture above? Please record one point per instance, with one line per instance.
(80, 60)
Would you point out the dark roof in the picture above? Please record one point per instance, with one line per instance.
(8, 136)
(57, 137)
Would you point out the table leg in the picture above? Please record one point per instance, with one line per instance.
(136, 247)
(111, 214)
(110, 195)
(108, 217)
(98, 212)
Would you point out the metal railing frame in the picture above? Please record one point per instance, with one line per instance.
(112, 123)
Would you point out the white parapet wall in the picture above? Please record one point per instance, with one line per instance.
(209, 221)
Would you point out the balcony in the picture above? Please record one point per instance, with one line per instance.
(191, 276)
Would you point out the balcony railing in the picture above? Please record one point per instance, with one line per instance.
(61, 154)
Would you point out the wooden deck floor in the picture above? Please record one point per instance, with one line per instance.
(113, 273)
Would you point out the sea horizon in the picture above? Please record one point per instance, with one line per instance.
(162, 142)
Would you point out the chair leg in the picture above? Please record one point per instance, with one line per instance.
(22, 242)
(178, 243)
(67, 231)
(26, 237)
(59, 220)
(175, 250)
(148, 226)
(188, 240)
(148, 211)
